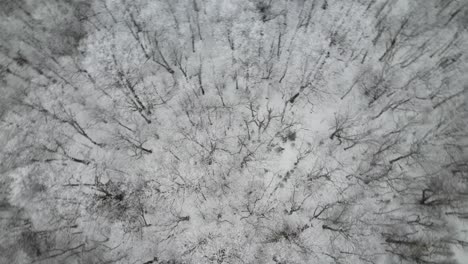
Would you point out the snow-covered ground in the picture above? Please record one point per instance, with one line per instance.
(234, 131)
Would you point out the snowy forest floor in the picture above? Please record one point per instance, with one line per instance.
(234, 131)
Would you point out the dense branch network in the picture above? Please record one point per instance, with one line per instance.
(247, 131)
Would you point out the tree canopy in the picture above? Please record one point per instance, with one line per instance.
(233, 131)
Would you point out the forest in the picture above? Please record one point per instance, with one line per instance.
(234, 131)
